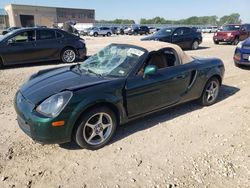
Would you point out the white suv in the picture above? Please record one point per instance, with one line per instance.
(104, 31)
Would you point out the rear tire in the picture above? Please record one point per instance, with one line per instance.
(195, 45)
(108, 34)
(210, 92)
(95, 128)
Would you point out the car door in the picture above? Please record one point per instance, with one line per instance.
(188, 37)
(47, 45)
(19, 47)
(163, 89)
(177, 37)
(102, 31)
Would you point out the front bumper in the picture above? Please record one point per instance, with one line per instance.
(223, 38)
(81, 53)
(37, 127)
(242, 57)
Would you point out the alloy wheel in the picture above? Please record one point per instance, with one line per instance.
(98, 128)
(69, 55)
(212, 91)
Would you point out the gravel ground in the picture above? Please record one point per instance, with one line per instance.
(186, 146)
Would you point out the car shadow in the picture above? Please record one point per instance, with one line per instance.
(200, 48)
(154, 119)
(244, 67)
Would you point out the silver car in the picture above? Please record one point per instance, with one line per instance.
(104, 31)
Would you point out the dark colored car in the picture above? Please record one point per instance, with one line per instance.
(242, 53)
(120, 31)
(122, 82)
(185, 37)
(9, 30)
(232, 33)
(139, 30)
(31, 45)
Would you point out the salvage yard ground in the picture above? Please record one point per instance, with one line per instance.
(186, 146)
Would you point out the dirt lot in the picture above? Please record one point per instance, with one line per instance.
(186, 146)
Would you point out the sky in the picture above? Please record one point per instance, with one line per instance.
(137, 9)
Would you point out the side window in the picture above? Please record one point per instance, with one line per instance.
(161, 59)
(26, 36)
(59, 35)
(45, 35)
(186, 31)
(178, 32)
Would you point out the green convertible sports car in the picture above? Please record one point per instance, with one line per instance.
(87, 101)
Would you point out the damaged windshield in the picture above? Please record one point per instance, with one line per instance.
(113, 60)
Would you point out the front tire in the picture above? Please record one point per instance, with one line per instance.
(96, 128)
(68, 55)
(216, 42)
(210, 92)
(236, 41)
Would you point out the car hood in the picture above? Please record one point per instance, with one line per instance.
(49, 82)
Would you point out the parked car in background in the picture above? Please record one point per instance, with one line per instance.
(9, 30)
(104, 31)
(86, 31)
(210, 29)
(242, 53)
(120, 31)
(30, 45)
(127, 30)
(152, 30)
(86, 102)
(114, 30)
(185, 37)
(232, 33)
(139, 30)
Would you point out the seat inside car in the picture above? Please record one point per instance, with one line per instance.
(159, 60)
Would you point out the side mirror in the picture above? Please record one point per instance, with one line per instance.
(10, 41)
(243, 29)
(149, 70)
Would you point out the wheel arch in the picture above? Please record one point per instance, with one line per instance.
(68, 46)
(107, 104)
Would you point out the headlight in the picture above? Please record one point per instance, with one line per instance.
(239, 45)
(53, 105)
(229, 34)
(215, 34)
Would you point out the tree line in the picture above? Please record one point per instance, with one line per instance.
(194, 20)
